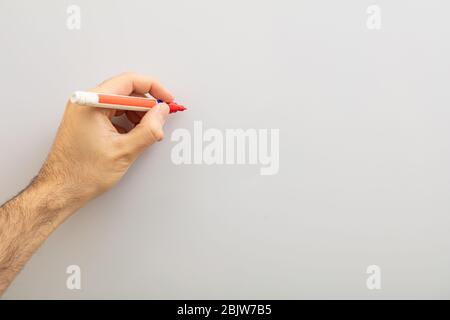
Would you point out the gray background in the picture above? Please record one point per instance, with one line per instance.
(364, 147)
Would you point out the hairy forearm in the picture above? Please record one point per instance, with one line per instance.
(25, 223)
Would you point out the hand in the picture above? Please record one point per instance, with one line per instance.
(90, 154)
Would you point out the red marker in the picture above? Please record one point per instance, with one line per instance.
(111, 101)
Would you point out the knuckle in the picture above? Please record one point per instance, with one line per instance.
(156, 132)
(152, 132)
(127, 74)
(155, 80)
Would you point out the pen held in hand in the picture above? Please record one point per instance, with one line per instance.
(111, 101)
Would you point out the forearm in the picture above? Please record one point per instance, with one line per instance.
(26, 221)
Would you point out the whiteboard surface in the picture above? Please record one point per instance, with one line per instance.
(364, 174)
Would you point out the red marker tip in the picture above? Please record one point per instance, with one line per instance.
(174, 107)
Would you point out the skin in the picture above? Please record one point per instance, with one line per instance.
(89, 155)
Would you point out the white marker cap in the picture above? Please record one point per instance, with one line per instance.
(84, 98)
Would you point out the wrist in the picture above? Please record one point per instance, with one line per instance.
(51, 200)
(35, 213)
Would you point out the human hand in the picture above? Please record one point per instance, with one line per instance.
(90, 154)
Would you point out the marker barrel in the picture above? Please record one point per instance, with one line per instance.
(111, 101)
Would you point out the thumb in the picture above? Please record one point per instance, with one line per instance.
(149, 129)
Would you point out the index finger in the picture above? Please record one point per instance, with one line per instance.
(129, 82)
